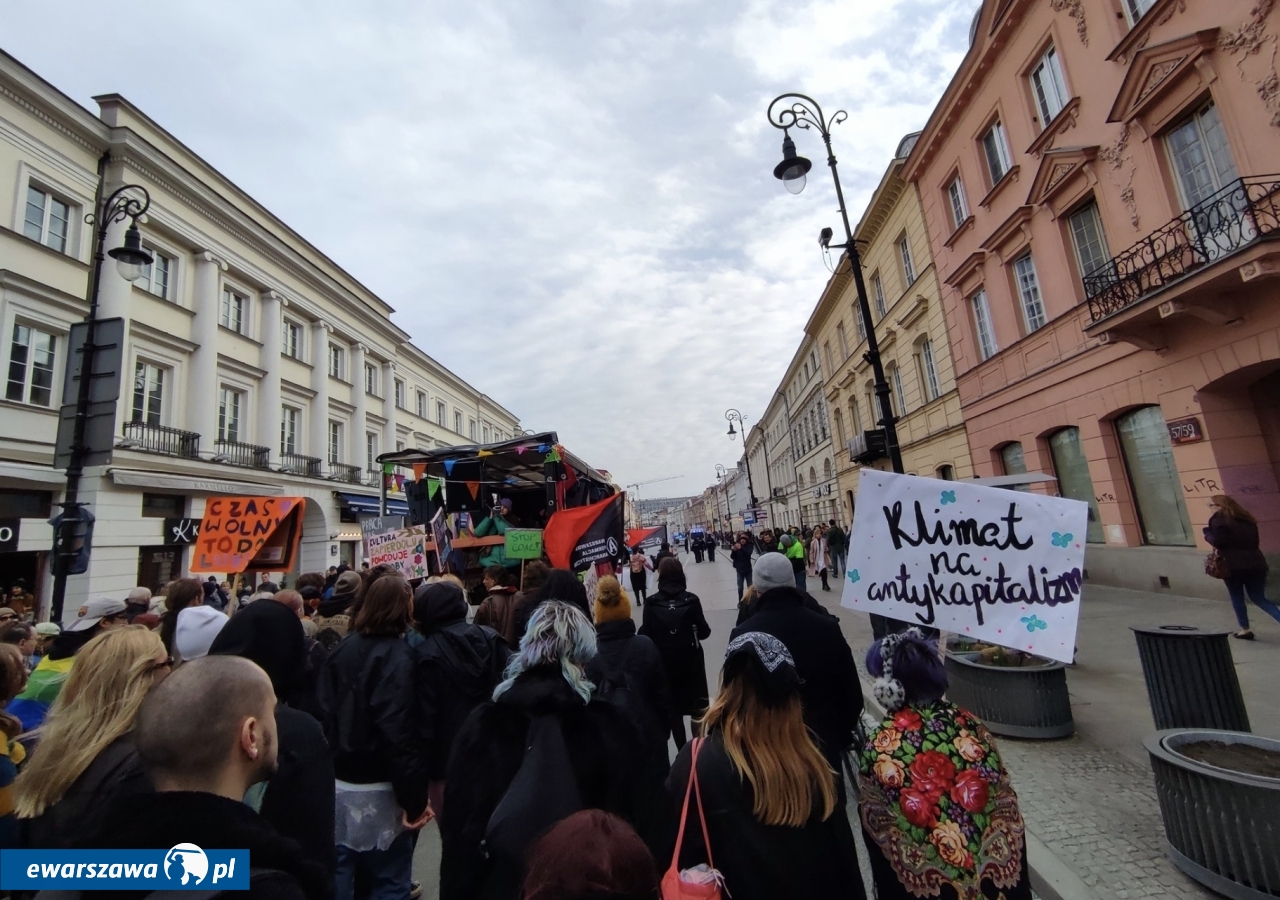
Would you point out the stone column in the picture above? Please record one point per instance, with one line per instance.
(355, 440)
(201, 401)
(269, 331)
(114, 292)
(389, 406)
(319, 419)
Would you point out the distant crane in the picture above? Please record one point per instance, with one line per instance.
(639, 484)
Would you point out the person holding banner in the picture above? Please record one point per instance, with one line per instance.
(938, 811)
(640, 568)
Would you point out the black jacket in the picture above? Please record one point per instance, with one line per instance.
(115, 773)
(673, 620)
(153, 821)
(368, 699)
(829, 685)
(457, 667)
(299, 797)
(741, 557)
(1237, 541)
(758, 861)
(631, 662)
(487, 754)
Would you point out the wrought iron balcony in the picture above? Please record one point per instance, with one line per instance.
(1243, 213)
(348, 474)
(296, 464)
(249, 456)
(160, 439)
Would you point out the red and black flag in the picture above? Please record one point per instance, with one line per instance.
(647, 538)
(580, 537)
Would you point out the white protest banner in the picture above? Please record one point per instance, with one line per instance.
(986, 563)
(405, 549)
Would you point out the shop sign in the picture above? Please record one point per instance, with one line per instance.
(9, 529)
(181, 531)
(1185, 431)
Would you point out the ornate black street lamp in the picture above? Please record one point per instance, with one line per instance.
(132, 260)
(798, 111)
(734, 416)
(722, 475)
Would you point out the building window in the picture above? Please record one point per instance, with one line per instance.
(292, 339)
(1012, 459)
(982, 325)
(156, 274)
(896, 394)
(1137, 9)
(233, 306)
(471, 429)
(877, 291)
(1048, 86)
(47, 220)
(440, 412)
(487, 434)
(422, 405)
(1029, 292)
(148, 393)
(855, 418)
(840, 427)
(959, 205)
(946, 473)
(289, 430)
(826, 351)
(1157, 489)
(457, 421)
(1088, 239)
(996, 150)
(399, 394)
(335, 442)
(162, 506)
(859, 325)
(1072, 470)
(908, 264)
(844, 344)
(928, 371)
(31, 362)
(1201, 158)
(335, 360)
(371, 380)
(400, 445)
(371, 449)
(230, 405)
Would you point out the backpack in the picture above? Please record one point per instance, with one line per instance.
(544, 791)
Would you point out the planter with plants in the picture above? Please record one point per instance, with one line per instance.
(1016, 694)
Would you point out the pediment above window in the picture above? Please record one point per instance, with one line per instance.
(1059, 171)
(1156, 70)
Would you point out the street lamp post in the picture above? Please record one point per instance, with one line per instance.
(722, 475)
(131, 261)
(734, 416)
(798, 111)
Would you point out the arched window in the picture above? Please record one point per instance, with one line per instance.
(826, 469)
(1072, 470)
(897, 398)
(813, 475)
(1157, 488)
(946, 473)
(840, 427)
(1012, 459)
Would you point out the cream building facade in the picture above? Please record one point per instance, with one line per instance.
(903, 293)
(772, 466)
(253, 364)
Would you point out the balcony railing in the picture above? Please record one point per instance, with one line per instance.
(296, 464)
(249, 456)
(345, 473)
(160, 439)
(1243, 213)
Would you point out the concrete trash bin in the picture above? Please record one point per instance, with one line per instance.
(1191, 678)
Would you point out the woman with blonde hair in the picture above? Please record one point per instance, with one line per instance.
(1233, 532)
(86, 757)
(764, 797)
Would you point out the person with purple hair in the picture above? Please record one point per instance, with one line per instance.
(938, 811)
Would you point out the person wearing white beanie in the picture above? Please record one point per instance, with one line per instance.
(197, 627)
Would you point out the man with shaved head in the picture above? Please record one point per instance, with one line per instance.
(206, 734)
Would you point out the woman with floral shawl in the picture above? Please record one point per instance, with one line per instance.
(938, 811)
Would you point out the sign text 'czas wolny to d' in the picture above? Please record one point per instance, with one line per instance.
(183, 867)
(996, 565)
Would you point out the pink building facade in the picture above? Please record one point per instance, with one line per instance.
(1100, 191)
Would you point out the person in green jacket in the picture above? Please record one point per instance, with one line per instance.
(793, 549)
(496, 523)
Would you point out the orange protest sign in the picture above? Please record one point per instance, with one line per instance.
(248, 534)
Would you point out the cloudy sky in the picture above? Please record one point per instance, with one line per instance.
(569, 202)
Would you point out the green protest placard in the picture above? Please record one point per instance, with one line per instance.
(524, 543)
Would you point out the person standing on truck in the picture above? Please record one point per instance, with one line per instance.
(496, 523)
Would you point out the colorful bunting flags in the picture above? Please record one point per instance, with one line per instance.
(433, 488)
(419, 469)
(474, 488)
(387, 468)
(483, 453)
(448, 466)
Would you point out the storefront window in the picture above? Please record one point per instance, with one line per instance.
(1074, 481)
(1157, 490)
(1011, 457)
(20, 504)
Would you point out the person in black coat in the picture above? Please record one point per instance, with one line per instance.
(830, 689)
(774, 815)
(674, 621)
(1233, 532)
(698, 545)
(740, 556)
(298, 799)
(709, 543)
(562, 585)
(457, 666)
(368, 699)
(546, 688)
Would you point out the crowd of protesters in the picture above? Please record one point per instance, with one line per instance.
(322, 727)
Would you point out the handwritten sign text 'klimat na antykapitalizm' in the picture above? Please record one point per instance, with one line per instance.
(986, 563)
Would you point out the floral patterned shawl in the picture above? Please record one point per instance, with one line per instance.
(937, 801)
